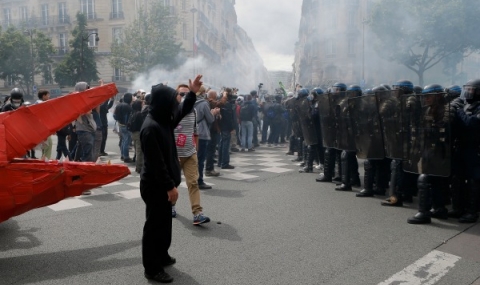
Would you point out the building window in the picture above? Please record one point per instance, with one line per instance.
(45, 14)
(352, 15)
(184, 5)
(117, 35)
(167, 3)
(62, 43)
(24, 13)
(117, 74)
(351, 46)
(9, 80)
(62, 13)
(331, 47)
(88, 8)
(117, 10)
(91, 39)
(184, 31)
(7, 17)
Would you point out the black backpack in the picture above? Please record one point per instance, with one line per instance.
(246, 112)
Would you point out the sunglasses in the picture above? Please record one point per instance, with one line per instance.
(183, 93)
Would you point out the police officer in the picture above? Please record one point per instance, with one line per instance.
(304, 111)
(430, 145)
(401, 183)
(349, 163)
(467, 120)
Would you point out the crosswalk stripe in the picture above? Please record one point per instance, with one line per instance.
(426, 271)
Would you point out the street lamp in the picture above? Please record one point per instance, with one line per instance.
(363, 52)
(84, 39)
(193, 10)
(32, 77)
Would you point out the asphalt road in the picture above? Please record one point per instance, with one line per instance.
(275, 228)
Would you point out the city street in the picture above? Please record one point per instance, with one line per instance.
(270, 225)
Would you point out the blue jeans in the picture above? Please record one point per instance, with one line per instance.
(224, 149)
(85, 142)
(247, 134)
(126, 141)
(201, 155)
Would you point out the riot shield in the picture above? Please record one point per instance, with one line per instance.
(390, 109)
(344, 138)
(427, 140)
(327, 121)
(366, 127)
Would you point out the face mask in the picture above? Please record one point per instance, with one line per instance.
(16, 103)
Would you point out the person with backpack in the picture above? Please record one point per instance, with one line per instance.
(134, 125)
(121, 114)
(247, 114)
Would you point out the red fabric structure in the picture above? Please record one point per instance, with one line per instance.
(27, 184)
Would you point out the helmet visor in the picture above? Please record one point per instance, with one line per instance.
(468, 92)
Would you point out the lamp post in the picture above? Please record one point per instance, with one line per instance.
(193, 10)
(85, 38)
(363, 53)
(32, 77)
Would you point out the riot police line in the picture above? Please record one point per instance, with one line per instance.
(413, 140)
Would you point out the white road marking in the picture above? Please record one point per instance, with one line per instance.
(425, 271)
(68, 204)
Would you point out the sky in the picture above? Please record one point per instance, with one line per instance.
(273, 27)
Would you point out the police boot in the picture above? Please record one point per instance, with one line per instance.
(291, 146)
(353, 166)
(305, 154)
(328, 166)
(457, 192)
(367, 180)
(299, 146)
(424, 201)
(396, 195)
(439, 186)
(309, 161)
(345, 186)
(471, 216)
(338, 166)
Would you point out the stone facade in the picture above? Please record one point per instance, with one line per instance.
(206, 28)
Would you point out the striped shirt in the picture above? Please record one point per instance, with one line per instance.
(184, 135)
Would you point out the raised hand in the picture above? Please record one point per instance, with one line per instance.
(196, 84)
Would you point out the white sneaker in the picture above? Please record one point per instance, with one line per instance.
(86, 193)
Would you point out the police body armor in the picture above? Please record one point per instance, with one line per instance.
(303, 110)
(366, 127)
(327, 120)
(344, 137)
(427, 141)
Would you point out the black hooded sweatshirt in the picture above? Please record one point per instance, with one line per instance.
(161, 169)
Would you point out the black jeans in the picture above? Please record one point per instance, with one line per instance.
(211, 146)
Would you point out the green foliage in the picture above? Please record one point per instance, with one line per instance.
(147, 42)
(16, 60)
(79, 63)
(419, 34)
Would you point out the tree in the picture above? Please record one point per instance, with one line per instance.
(16, 62)
(419, 34)
(79, 63)
(147, 42)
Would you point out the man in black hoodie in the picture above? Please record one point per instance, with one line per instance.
(160, 175)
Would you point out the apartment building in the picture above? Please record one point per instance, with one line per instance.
(206, 28)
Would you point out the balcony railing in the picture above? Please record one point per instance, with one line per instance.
(119, 78)
(61, 50)
(117, 15)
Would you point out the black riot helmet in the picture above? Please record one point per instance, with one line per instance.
(386, 86)
(16, 93)
(338, 87)
(379, 88)
(302, 93)
(417, 89)
(405, 85)
(317, 91)
(432, 89)
(356, 89)
(471, 91)
(453, 92)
